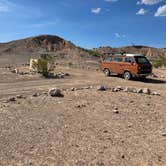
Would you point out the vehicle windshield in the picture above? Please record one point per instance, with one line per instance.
(141, 60)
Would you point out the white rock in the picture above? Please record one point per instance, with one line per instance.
(116, 111)
(139, 91)
(156, 93)
(163, 134)
(101, 88)
(146, 91)
(126, 89)
(54, 92)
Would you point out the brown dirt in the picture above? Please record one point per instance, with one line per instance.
(81, 128)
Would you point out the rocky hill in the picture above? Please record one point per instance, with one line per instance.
(150, 52)
(47, 43)
(20, 51)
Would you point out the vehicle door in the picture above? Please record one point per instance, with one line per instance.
(107, 63)
(129, 65)
(118, 65)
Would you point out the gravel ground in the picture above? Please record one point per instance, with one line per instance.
(85, 127)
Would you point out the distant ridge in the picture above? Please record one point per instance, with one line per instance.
(20, 51)
(150, 52)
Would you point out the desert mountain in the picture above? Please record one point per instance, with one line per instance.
(20, 51)
(47, 43)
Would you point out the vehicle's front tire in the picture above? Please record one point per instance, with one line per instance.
(107, 72)
(127, 75)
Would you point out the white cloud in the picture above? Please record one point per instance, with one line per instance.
(141, 12)
(19, 10)
(149, 2)
(111, 0)
(4, 6)
(119, 35)
(161, 11)
(43, 24)
(96, 10)
(107, 10)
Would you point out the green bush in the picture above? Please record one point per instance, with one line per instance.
(42, 64)
(70, 64)
(159, 63)
(94, 53)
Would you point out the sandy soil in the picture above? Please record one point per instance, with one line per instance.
(82, 128)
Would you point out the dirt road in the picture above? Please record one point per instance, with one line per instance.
(12, 84)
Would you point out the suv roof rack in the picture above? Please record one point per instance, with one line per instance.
(117, 53)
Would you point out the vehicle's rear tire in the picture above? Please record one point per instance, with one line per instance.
(107, 72)
(127, 75)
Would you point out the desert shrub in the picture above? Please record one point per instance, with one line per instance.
(159, 63)
(46, 57)
(42, 64)
(94, 53)
(70, 64)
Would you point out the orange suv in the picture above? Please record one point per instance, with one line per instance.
(128, 65)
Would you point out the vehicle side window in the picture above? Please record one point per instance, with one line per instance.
(118, 59)
(129, 60)
(108, 59)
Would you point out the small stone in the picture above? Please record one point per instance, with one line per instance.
(163, 134)
(162, 76)
(146, 91)
(155, 93)
(116, 108)
(115, 90)
(139, 91)
(105, 131)
(12, 99)
(35, 94)
(100, 163)
(44, 93)
(91, 87)
(119, 88)
(116, 111)
(129, 125)
(88, 87)
(134, 90)
(123, 156)
(54, 92)
(20, 97)
(154, 75)
(67, 74)
(5, 101)
(72, 89)
(126, 89)
(101, 88)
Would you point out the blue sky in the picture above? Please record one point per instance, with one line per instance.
(87, 23)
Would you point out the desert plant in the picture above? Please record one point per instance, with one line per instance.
(159, 63)
(42, 64)
(94, 53)
(70, 64)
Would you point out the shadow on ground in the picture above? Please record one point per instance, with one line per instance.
(150, 80)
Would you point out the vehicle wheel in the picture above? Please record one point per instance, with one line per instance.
(127, 75)
(107, 72)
